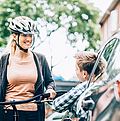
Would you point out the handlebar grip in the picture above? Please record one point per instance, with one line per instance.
(46, 95)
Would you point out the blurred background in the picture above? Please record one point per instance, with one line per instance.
(65, 28)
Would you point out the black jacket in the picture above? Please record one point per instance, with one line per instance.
(44, 79)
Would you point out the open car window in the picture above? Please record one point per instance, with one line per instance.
(111, 54)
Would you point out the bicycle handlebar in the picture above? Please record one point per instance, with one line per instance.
(39, 97)
(36, 99)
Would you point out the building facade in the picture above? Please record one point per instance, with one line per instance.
(110, 21)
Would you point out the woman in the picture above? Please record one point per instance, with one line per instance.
(23, 73)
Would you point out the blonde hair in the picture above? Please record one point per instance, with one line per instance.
(12, 47)
(86, 60)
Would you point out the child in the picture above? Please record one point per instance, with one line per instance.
(84, 63)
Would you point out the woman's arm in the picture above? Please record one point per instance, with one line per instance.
(49, 82)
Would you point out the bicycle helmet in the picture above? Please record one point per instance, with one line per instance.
(22, 24)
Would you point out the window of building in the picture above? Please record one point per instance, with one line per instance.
(113, 18)
(109, 28)
(105, 32)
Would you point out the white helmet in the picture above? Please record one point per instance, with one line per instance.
(23, 24)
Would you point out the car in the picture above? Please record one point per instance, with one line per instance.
(105, 92)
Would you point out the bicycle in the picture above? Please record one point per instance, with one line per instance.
(36, 99)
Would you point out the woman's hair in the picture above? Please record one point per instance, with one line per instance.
(12, 47)
(86, 60)
(12, 43)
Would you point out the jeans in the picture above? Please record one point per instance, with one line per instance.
(23, 115)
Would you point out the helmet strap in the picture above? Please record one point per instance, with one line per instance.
(33, 41)
(24, 50)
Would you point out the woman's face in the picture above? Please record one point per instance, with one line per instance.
(25, 40)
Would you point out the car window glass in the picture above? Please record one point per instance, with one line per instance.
(112, 56)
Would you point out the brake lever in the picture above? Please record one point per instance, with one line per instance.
(42, 97)
(39, 100)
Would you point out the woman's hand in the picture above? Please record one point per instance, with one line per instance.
(52, 93)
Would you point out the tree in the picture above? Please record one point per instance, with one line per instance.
(78, 17)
